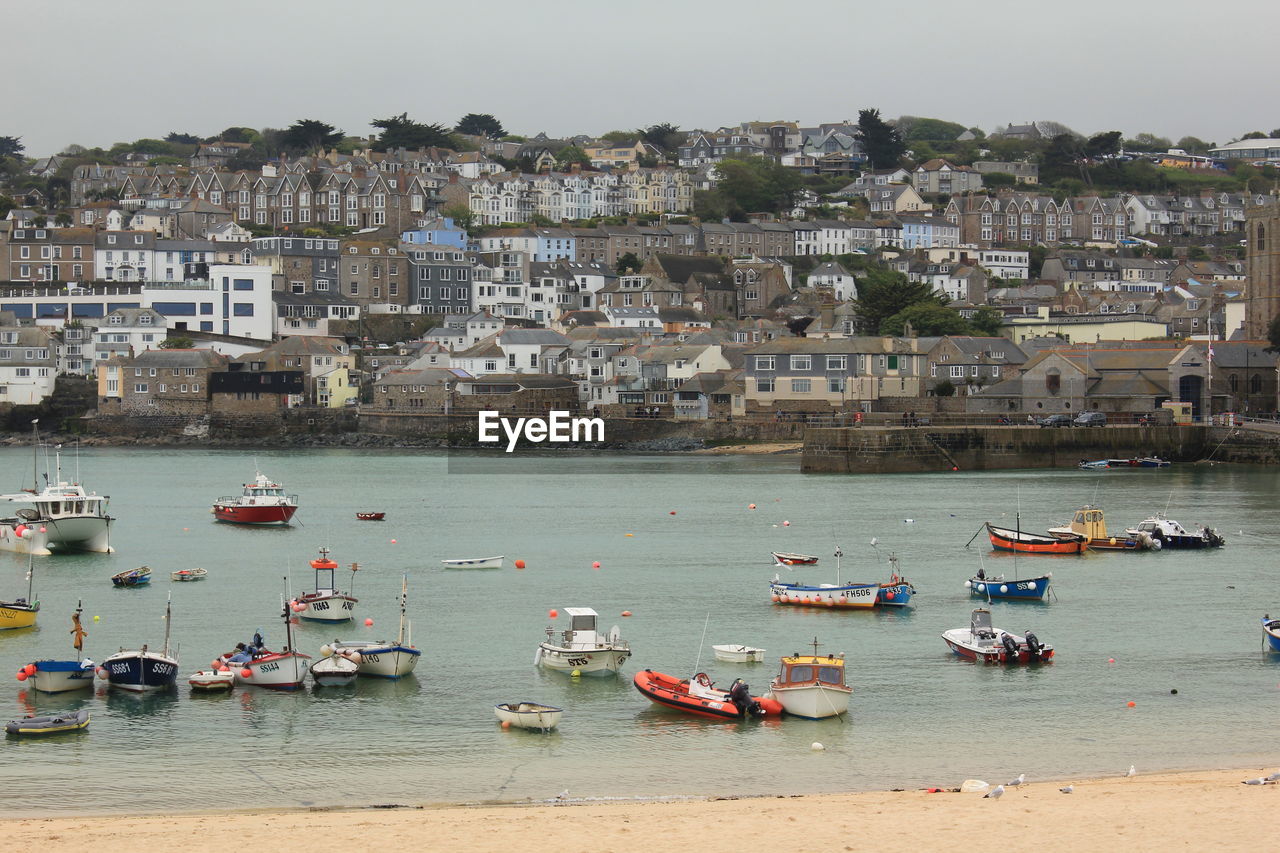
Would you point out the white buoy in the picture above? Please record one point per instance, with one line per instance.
(816, 747)
(968, 584)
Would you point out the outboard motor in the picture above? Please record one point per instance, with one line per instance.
(1033, 646)
(1010, 646)
(740, 696)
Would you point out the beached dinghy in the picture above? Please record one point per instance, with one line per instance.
(49, 724)
(528, 715)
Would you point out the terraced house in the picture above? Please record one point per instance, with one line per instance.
(815, 375)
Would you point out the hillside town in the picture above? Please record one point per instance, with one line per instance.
(767, 271)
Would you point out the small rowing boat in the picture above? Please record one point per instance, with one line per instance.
(132, 577)
(370, 516)
(738, 654)
(528, 715)
(475, 563)
(196, 574)
(783, 558)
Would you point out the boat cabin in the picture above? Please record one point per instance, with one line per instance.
(811, 669)
(1088, 522)
(324, 568)
(981, 629)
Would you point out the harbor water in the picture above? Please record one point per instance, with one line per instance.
(678, 547)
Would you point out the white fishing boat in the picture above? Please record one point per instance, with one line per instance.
(326, 603)
(212, 679)
(254, 664)
(59, 517)
(738, 654)
(581, 648)
(196, 574)
(143, 670)
(475, 563)
(59, 676)
(382, 658)
(812, 686)
(335, 669)
(528, 715)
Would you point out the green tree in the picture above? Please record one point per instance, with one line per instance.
(881, 141)
(1254, 134)
(1103, 144)
(1273, 334)
(63, 220)
(182, 138)
(569, 155)
(480, 124)
(986, 322)
(945, 388)
(235, 134)
(665, 136)
(882, 293)
(1193, 145)
(628, 263)
(915, 128)
(176, 343)
(620, 137)
(11, 146)
(755, 184)
(996, 180)
(403, 132)
(926, 318)
(460, 214)
(308, 135)
(1147, 142)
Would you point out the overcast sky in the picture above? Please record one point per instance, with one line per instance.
(94, 73)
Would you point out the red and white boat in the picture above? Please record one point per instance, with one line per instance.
(262, 502)
(253, 663)
(987, 644)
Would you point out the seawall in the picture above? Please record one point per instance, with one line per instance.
(879, 450)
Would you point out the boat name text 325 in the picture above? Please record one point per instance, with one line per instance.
(558, 427)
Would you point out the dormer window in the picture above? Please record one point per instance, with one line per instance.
(137, 240)
(115, 320)
(144, 320)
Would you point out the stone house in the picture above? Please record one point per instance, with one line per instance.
(159, 382)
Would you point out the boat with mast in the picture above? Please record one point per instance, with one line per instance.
(143, 670)
(59, 676)
(383, 659)
(62, 516)
(326, 603)
(257, 665)
(841, 595)
(21, 612)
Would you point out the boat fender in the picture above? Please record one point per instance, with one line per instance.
(1033, 645)
(1010, 646)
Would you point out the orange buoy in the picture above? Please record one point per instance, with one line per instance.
(506, 724)
(596, 564)
(1132, 704)
(751, 506)
(553, 613)
(519, 564)
(626, 613)
(246, 672)
(368, 623)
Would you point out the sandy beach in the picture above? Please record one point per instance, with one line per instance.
(1186, 811)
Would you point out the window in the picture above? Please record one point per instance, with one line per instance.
(801, 362)
(837, 362)
(957, 371)
(835, 384)
(764, 362)
(140, 388)
(764, 384)
(801, 386)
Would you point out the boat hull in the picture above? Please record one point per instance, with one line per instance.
(141, 671)
(49, 724)
(209, 680)
(327, 608)
(382, 660)
(528, 715)
(670, 692)
(961, 642)
(14, 615)
(65, 534)
(1271, 629)
(1031, 589)
(478, 563)
(264, 515)
(61, 676)
(738, 654)
(895, 594)
(845, 596)
(282, 671)
(786, 559)
(813, 701)
(599, 661)
(1003, 539)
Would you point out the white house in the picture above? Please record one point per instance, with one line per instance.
(28, 364)
(837, 278)
(1006, 263)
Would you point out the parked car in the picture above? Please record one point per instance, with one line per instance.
(1058, 420)
(1090, 419)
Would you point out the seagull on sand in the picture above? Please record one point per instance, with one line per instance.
(563, 795)
(1274, 777)
(1068, 789)
(1258, 781)
(1133, 771)
(995, 793)
(1022, 777)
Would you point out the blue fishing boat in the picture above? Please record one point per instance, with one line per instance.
(998, 587)
(132, 577)
(898, 590)
(143, 670)
(1271, 628)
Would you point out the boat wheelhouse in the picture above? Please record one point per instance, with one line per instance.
(812, 686)
(581, 648)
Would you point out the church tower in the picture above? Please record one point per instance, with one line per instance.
(1262, 267)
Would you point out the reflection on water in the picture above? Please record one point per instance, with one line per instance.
(433, 737)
